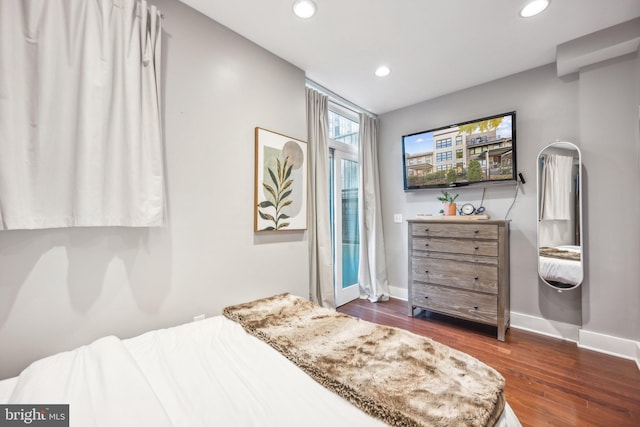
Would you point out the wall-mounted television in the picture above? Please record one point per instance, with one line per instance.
(478, 151)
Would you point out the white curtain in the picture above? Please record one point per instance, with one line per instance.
(80, 125)
(556, 199)
(321, 266)
(372, 273)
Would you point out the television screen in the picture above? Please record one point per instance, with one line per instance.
(477, 151)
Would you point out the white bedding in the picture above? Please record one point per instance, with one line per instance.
(6, 387)
(562, 270)
(207, 373)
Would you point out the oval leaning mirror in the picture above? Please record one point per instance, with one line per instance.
(560, 254)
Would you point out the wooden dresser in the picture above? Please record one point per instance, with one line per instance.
(461, 269)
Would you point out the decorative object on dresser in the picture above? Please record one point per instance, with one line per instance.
(460, 269)
(449, 202)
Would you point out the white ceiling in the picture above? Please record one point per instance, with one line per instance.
(433, 47)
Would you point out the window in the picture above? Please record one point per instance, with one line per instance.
(458, 154)
(479, 140)
(443, 143)
(458, 140)
(343, 127)
(444, 156)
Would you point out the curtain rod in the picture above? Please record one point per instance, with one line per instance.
(338, 99)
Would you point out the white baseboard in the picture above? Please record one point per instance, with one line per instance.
(551, 328)
(614, 346)
(399, 293)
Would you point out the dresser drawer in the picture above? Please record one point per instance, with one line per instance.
(458, 303)
(462, 275)
(464, 231)
(457, 246)
(491, 260)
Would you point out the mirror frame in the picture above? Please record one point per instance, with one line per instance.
(579, 211)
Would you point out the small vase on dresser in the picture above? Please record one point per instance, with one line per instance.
(450, 208)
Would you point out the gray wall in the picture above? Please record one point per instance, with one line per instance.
(609, 139)
(63, 288)
(596, 109)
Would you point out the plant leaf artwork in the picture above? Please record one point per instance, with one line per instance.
(280, 193)
(280, 182)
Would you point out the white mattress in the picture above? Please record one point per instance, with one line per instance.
(562, 270)
(203, 373)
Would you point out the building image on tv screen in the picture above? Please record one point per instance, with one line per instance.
(466, 153)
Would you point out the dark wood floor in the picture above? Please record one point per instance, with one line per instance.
(549, 382)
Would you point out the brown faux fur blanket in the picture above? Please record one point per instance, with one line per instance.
(559, 253)
(394, 375)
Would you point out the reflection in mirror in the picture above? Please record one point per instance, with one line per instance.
(560, 260)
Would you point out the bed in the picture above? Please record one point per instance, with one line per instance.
(561, 265)
(206, 373)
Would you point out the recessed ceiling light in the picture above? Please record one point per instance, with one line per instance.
(304, 8)
(383, 71)
(533, 8)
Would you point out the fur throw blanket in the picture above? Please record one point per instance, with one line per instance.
(559, 253)
(394, 375)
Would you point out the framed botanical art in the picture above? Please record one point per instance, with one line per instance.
(280, 182)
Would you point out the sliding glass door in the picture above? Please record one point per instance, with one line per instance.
(343, 188)
(345, 234)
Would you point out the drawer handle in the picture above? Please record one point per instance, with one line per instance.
(476, 231)
(426, 244)
(426, 271)
(426, 297)
(476, 247)
(475, 307)
(476, 278)
(426, 229)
